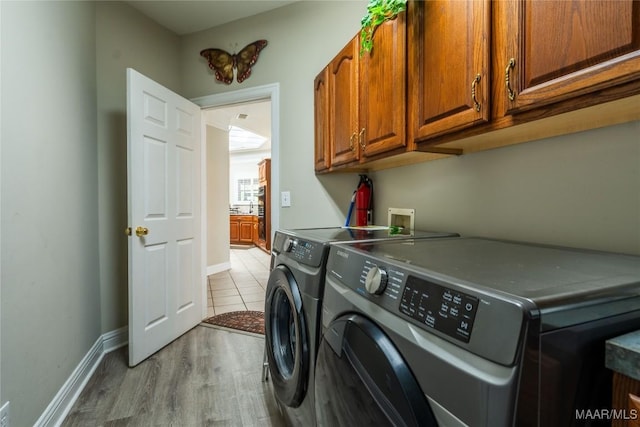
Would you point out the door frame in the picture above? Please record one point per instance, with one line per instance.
(258, 93)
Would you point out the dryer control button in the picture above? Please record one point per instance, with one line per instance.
(376, 280)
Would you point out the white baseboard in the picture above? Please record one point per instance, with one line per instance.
(61, 404)
(115, 339)
(217, 268)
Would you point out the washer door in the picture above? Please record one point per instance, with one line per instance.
(362, 379)
(286, 337)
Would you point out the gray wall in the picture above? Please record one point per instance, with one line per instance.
(64, 262)
(303, 38)
(580, 190)
(125, 38)
(50, 289)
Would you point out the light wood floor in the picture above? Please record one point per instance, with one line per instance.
(208, 377)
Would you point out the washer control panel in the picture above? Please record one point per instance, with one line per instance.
(304, 251)
(446, 310)
(473, 317)
(436, 307)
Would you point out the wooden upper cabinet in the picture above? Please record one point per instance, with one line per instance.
(343, 105)
(264, 172)
(383, 90)
(448, 66)
(322, 126)
(564, 49)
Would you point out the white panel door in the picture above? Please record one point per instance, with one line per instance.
(166, 276)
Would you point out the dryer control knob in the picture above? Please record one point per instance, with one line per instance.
(376, 281)
(289, 244)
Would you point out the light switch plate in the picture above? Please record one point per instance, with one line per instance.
(285, 199)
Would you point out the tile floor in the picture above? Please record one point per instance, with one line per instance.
(243, 287)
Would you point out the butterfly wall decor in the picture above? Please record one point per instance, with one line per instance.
(223, 62)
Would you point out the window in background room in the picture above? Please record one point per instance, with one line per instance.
(247, 190)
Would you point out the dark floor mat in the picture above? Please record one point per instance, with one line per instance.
(248, 321)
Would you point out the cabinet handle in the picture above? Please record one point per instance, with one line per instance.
(351, 144)
(510, 92)
(473, 92)
(363, 143)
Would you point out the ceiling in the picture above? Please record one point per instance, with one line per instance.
(255, 117)
(189, 16)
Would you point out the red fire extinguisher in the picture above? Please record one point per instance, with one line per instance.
(364, 201)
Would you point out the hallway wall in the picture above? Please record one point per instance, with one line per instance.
(217, 196)
(50, 267)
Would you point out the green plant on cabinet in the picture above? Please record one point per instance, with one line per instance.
(378, 11)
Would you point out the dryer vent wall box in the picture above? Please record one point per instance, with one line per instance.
(403, 218)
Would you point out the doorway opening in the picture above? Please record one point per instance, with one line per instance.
(217, 250)
(245, 129)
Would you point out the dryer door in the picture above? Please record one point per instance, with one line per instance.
(362, 379)
(286, 337)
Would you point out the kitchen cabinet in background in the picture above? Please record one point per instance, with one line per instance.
(234, 229)
(241, 229)
(264, 172)
(263, 240)
(255, 229)
(254, 232)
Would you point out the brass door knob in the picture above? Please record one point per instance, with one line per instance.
(141, 231)
(127, 231)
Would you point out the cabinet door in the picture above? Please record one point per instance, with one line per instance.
(343, 105)
(264, 172)
(234, 231)
(246, 231)
(562, 49)
(448, 66)
(254, 232)
(321, 114)
(383, 90)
